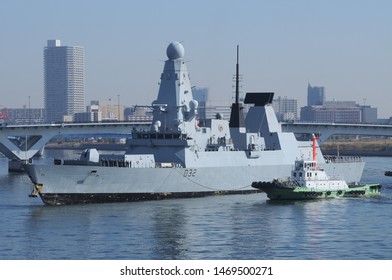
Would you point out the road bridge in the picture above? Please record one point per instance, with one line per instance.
(325, 130)
(22, 142)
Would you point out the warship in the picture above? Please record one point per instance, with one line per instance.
(182, 156)
(309, 181)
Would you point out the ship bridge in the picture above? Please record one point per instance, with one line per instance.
(22, 142)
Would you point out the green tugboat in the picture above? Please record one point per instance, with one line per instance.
(308, 181)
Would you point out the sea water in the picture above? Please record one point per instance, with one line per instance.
(220, 227)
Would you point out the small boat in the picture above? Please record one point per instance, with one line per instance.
(309, 181)
(388, 173)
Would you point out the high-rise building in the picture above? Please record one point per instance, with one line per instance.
(201, 95)
(63, 81)
(92, 114)
(369, 115)
(286, 109)
(316, 95)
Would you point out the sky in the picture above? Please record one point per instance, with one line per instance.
(345, 46)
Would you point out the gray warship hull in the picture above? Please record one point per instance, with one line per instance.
(65, 184)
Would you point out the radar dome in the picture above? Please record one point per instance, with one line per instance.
(175, 50)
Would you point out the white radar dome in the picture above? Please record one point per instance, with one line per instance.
(175, 50)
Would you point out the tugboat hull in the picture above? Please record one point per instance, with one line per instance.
(277, 191)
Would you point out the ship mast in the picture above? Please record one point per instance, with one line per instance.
(237, 77)
(237, 116)
(314, 147)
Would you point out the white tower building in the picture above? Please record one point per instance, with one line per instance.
(63, 81)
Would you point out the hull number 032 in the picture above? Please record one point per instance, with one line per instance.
(191, 172)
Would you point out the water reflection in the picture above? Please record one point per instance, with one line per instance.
(232, 227)
(170, 222)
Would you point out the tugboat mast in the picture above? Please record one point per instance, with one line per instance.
(314, 147)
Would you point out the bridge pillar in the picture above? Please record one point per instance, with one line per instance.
(22, 147)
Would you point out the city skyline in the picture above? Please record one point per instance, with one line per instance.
(284, 45)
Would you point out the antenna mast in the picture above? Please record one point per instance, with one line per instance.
(237, 78)
(237, 116)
